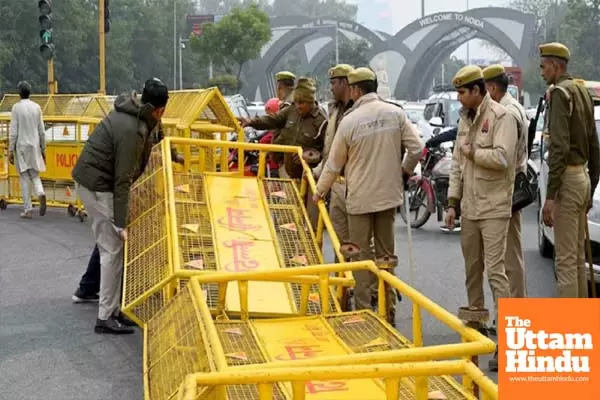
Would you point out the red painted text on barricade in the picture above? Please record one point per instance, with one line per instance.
(303, 350)
(242, 259)
(319, 332)
(237, 219)
(64, 160)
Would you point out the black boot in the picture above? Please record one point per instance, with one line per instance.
(113, 326)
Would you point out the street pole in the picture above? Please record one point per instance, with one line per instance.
(174, 44)
(102, 89)
(51, 83)
(180, 63)
(468, 56)
(422, 8)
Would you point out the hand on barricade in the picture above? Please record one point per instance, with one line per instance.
(123, 234)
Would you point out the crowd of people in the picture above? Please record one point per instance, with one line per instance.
(367, 149)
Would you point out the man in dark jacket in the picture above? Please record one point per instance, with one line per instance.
(89, 285)
(112, 158)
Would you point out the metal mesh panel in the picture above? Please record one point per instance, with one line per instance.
(147, 261)
(241, 348)
(363, 332)
(175, 346)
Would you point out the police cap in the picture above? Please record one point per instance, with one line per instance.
(340, 71)
(555, 49)
(360, 75)
(492, 72)
(466, 75)
(284, 76)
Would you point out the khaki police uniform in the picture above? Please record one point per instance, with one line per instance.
(572, 143)
(337, 201)
(367, 146)
(296, 130)
(484, 185)
(285, 102)
(514, 262)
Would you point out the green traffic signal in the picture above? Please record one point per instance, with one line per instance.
(46, 36)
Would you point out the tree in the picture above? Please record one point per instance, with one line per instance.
(235, 39)
(580, 33)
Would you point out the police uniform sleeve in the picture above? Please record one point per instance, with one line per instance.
(276, 121)
(336, 160)
(558, 126)
(456, 184)
(411, 144)
(504, 145)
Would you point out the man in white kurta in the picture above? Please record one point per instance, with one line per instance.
(27, 146)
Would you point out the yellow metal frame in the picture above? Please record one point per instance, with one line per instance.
(392, 374)
(473, 343)
(206, 153)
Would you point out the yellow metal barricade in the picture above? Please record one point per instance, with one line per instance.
(182, 339)
(211, 219)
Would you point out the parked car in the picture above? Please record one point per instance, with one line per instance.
(443, 104)
(546, 234)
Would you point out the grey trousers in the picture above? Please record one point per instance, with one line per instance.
(99, 206)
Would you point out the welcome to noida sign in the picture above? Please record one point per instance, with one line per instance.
(465, 19)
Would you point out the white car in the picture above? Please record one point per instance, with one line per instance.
(546, 234)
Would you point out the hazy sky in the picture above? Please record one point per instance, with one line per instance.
(392, 15)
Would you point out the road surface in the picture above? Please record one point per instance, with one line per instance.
(48, 350)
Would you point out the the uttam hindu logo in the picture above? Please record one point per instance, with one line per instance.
(549, 349)
(524, 343)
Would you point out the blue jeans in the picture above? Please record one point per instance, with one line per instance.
(90, 281)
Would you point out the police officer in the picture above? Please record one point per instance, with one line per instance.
(299, 125)
(340, 90)
(496, 83)
(573, 143)
(482, 177)
(285, 88)
(367, 147)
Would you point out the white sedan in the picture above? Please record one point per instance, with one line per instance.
(546, 234)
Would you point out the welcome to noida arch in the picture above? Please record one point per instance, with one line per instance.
(405, 63)
(315, 38)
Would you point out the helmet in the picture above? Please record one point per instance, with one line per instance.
(272, 105)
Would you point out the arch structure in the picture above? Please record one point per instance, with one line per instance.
(405, 63)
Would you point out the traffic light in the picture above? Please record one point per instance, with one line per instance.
(45, 18)
(106, 17)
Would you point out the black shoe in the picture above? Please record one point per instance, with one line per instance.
(113, 326)
(42, 205)
(80, 297)
(123, 320)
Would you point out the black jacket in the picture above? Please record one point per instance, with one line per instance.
(447, 136)
(117, 152)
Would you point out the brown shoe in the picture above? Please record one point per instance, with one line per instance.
(42, 205)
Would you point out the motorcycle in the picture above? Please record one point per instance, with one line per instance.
(430, 189)
(251, 157)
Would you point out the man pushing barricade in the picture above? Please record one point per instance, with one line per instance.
(110, 161)
(482, 177)
(368, 147)
(299, 125)
(573, 168)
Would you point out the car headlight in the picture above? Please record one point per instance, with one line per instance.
(594, 214)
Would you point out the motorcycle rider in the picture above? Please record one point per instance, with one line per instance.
(496, 82)
(482, 177)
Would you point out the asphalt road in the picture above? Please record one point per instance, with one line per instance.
(48, 350)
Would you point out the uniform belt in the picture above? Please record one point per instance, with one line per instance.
(580, 167)
(341, 179)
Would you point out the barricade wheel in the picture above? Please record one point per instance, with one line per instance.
(3, 204)
(71, 210)
(82, 215)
